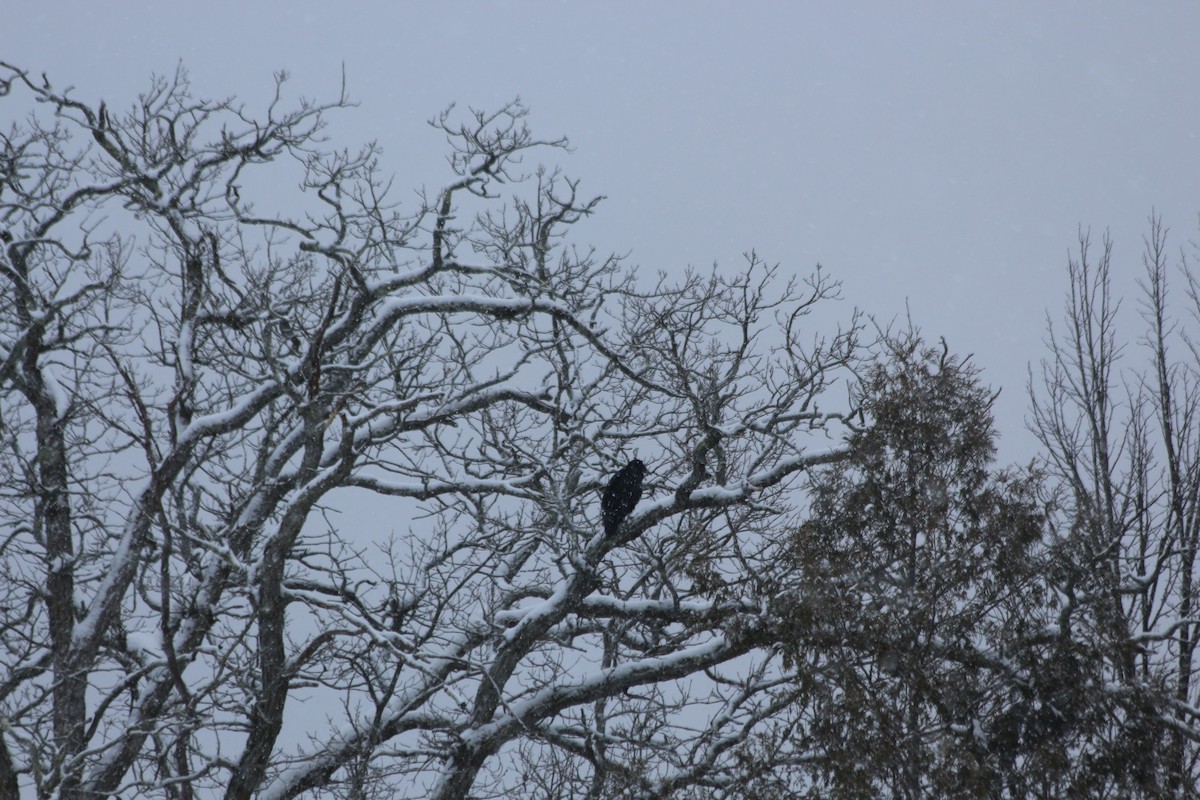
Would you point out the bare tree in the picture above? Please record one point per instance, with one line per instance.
(201, 380)
(1123, 439)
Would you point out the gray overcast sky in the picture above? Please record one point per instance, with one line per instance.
(941, 154)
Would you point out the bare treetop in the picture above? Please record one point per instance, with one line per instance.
(198, 378)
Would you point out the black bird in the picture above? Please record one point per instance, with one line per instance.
(621, 495)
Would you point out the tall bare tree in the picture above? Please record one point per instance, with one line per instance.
(201, 381)
(1120, 422)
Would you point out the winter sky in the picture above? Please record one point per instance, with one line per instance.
(935, 156)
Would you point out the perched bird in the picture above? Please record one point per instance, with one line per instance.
(621, 495)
